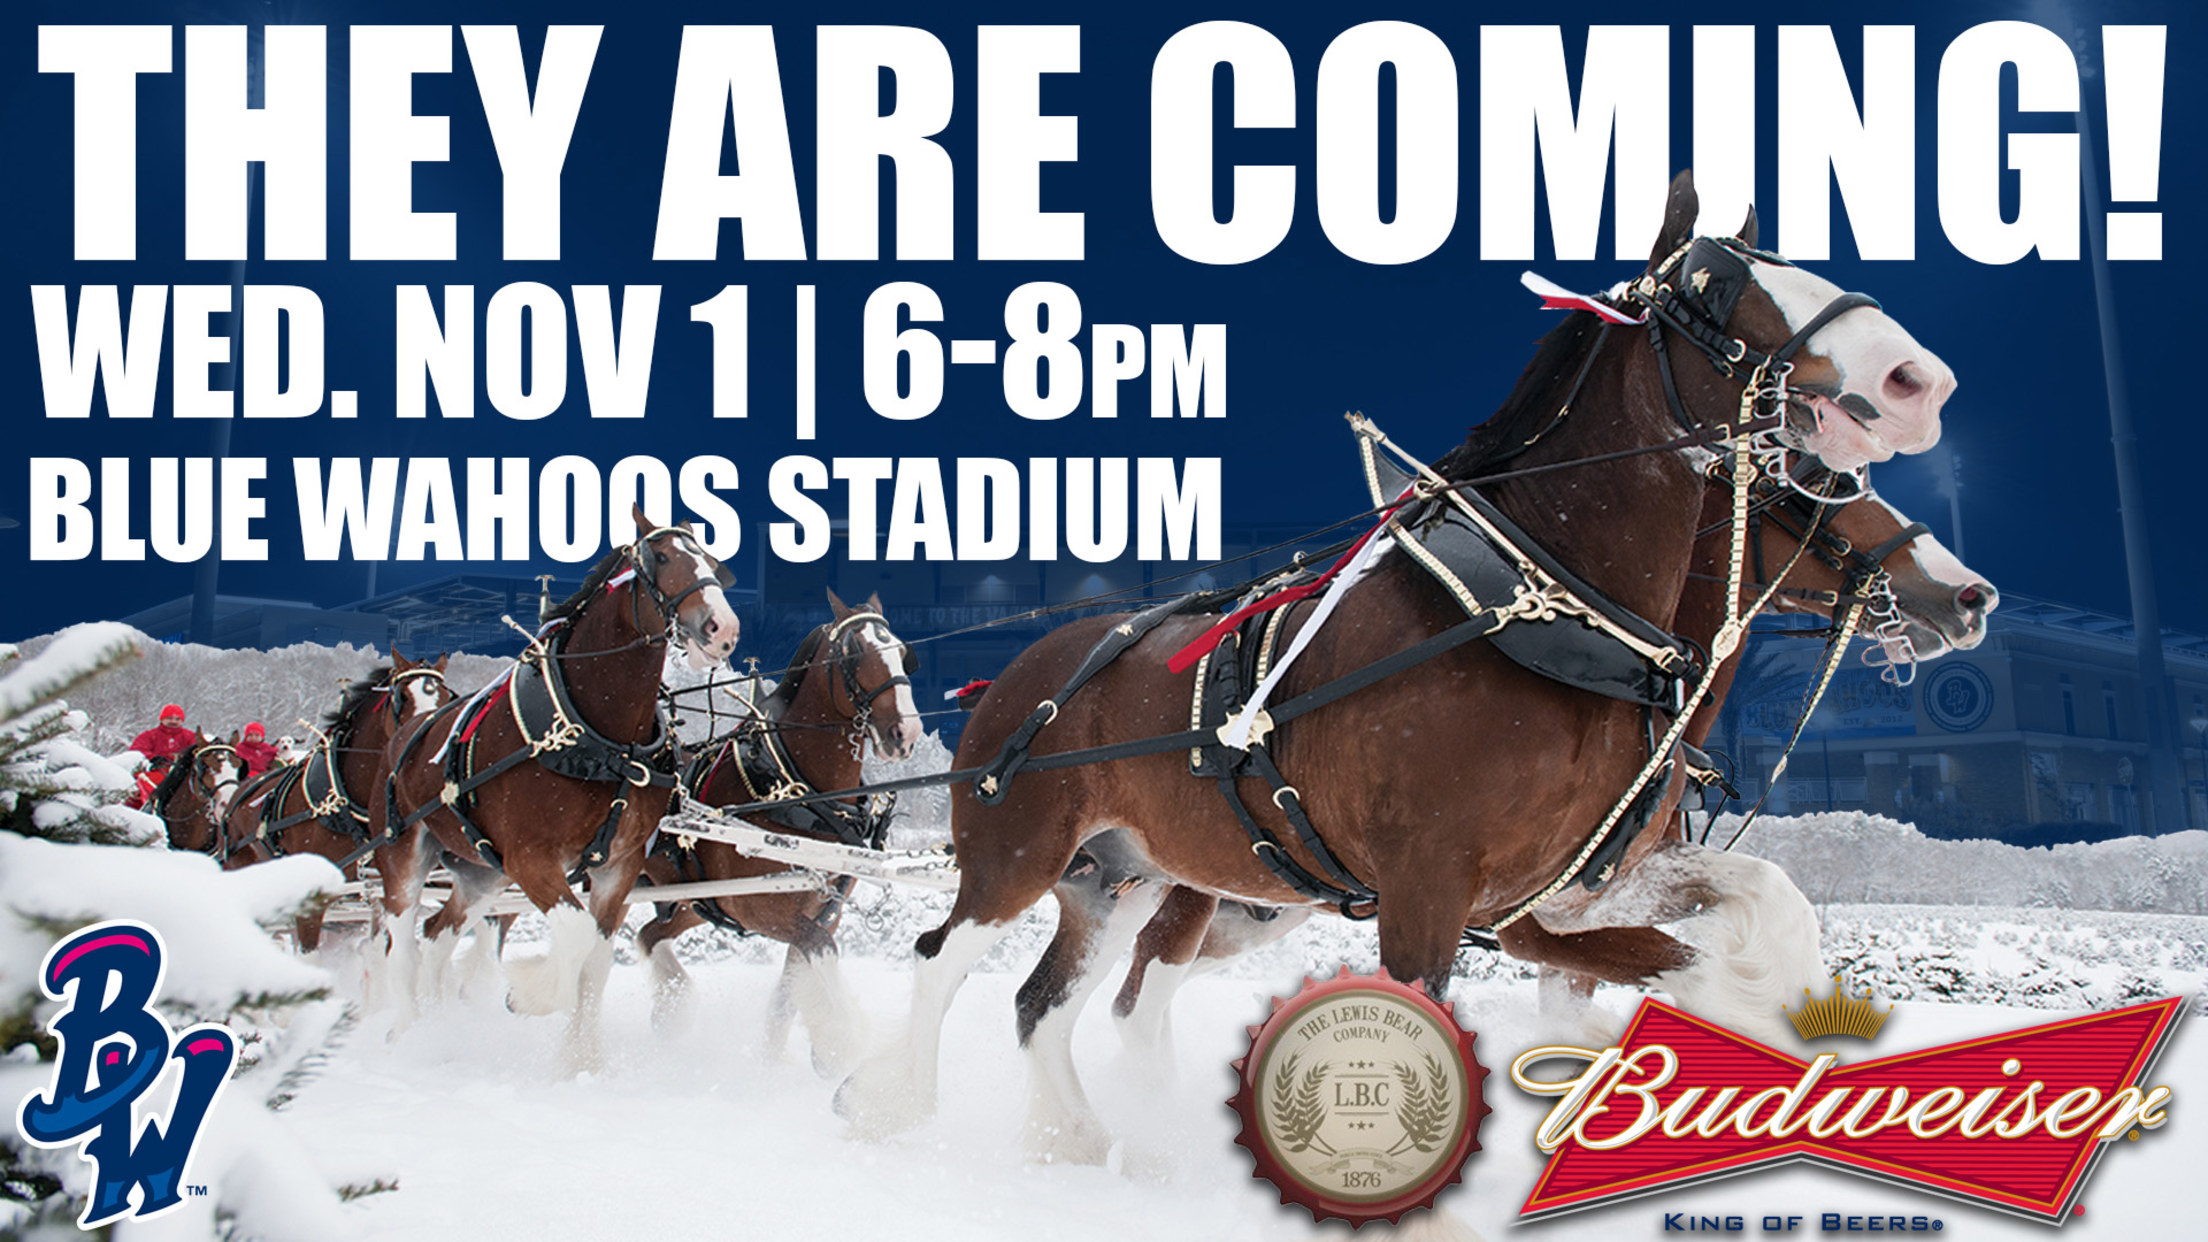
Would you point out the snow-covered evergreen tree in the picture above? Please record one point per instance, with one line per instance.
(72, 856)
(52, 784)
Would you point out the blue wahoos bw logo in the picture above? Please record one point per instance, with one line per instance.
(1959, 698)
(114, 1048)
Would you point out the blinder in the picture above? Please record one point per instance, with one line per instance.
(1713, 280)
(647, 577)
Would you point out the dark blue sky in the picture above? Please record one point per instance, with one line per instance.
(1426, 348)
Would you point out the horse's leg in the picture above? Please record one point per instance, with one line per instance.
(1757, 948)
(1094, 927)
(1419, 939)
(440, 936)
(1567, 1012)
(404, 864)
(672, 999)
(1747, 943)
(812, 981)
(609, 907)
(894, 1089)
(1164, 953)
(1001, 875)
(474, 888)
(550, 983)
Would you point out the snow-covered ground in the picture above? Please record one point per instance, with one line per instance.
(707, 1134)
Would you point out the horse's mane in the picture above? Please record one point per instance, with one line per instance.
(358, 696)
(1525, 411)
(567, 609)
(786, 692)
(179, 771)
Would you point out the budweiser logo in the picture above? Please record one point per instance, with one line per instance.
(2014, 1121)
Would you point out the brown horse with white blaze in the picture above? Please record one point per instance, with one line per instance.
(559, 769)
(194, 797)
(846, 687)
(1863, 550)
(1462, 790)
(319, 804)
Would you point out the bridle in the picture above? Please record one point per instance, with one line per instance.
(646, 585)
(391, 688)
(199, 780)
(845, 655)
(1694, 292)
(1797, 508)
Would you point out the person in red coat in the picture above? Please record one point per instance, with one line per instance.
(166, 740)
(253, 747)
(161, 745)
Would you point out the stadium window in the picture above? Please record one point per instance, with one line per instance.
(2069, 707)
(2108, 702)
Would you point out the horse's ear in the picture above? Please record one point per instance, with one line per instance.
(1747, 234)
(1679, 213)
(644, 525)
(398, 661)
(874, 602)
(443, 660)
(835, 601)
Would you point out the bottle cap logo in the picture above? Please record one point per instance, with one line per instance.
(1360, 1098)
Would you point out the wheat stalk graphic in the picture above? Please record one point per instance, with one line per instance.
(1298, 1109)
(1424, 1110)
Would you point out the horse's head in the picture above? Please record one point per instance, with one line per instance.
(196, 793)
(871, 665)
(217, 771)
(416, 687)
(1942, 604)
(688, 586)
(1860, 388)
(1921, 602)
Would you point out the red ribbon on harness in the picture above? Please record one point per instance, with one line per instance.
(468, 731)
(1186, 657)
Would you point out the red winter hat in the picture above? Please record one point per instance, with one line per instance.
(255, 730)
(174, 712)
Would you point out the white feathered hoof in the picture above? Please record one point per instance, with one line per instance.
(481, 973)
(1757, 949)
(880, 1099)
(581, 1051)
(549, 983)
(674, 1002)
(833, 1020)
(1061, 1141)
(1566, 1016)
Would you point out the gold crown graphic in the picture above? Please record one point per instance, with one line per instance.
(1837, 1014)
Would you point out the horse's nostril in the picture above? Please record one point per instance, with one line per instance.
(1904, 381)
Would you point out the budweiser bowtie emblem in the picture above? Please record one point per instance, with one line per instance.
(2014, 1121)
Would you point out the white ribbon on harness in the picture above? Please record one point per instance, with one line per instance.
(1237, 733)
(1556, 297)
(468, 709)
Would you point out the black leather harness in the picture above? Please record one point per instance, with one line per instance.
(554, 735)
(1552, 631)
(767, 771)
